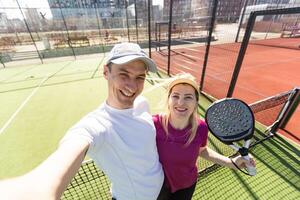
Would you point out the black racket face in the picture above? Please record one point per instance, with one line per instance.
(230, 120)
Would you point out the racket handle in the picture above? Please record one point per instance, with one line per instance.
(250, 168)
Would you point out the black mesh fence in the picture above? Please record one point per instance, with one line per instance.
(275, 158)
(90, 183)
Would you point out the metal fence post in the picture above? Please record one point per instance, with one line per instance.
(126, 5)
(242, 52)
(149, 26)
(98, 23)
(170, 36)
(2, 61)
(63, 18)
(211, 29)
(26, 24)
(241, 21)
(136, 22)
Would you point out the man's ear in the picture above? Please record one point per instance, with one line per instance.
(105, 71)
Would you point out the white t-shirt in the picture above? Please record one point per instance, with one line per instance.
(123, 145)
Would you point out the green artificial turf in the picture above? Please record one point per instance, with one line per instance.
(69, 90)
(56, 105)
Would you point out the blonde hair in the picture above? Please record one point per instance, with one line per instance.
(187, 79)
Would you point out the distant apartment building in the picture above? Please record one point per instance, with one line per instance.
(3, 22)
(194, 12)
(10, 25)
(82, 14)
(230, 10)
(77, 8)
(258, 2)
(139, 9)
(200, 8)
(111, 13)
(181, 9)
(33, 18)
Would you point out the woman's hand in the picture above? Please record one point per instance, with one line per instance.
(241, 162)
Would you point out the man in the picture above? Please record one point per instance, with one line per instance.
(119, 137)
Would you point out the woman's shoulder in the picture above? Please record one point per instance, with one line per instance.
(160, 132)
(202, 128)
(202, 124)
(202, 132)
(155, 118)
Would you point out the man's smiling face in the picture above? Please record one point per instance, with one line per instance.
(125, 83)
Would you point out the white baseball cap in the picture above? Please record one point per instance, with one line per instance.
(126, 52)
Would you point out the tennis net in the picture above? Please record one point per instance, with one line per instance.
(275, 111)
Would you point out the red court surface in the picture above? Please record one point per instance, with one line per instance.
(266, 71)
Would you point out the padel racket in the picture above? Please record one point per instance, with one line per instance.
(231, 120)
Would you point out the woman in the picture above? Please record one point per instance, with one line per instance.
(181, 137)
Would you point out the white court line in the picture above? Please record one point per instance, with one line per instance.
(21, 106)
(28, 98)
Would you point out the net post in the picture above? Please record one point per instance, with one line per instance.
(287, 110)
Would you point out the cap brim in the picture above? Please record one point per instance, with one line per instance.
(151, 66)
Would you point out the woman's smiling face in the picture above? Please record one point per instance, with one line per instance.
(182, 101)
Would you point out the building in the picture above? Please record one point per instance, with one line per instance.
(258, 2)
(16, 25)
(3, 22)
(33, 18)
(111, 13)
(187, 12)
(77, 8)
(181, 9)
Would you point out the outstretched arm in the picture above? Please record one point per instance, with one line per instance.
(215, 157)
(49, 180)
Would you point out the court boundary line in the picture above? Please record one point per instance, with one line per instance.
(98, 67)
(16, 74)
(8, 122)
(37, 78)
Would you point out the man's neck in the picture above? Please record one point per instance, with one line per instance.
(116, 106)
